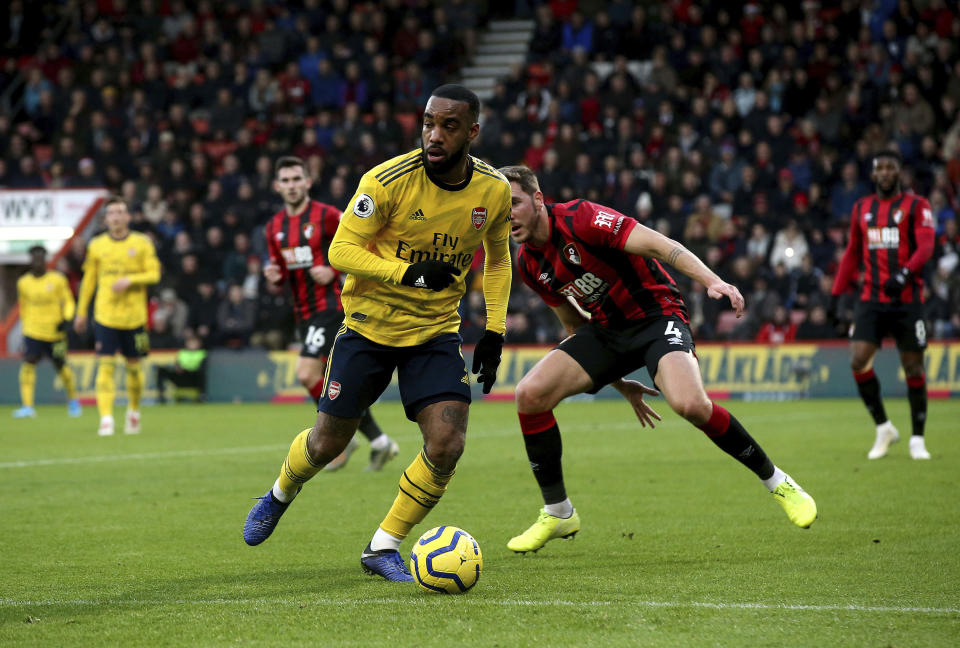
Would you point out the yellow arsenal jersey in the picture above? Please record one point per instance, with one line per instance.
(45, 302)
(401, 215)
(109, 259)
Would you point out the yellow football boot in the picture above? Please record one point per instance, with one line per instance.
(545, 529)
(800, 507)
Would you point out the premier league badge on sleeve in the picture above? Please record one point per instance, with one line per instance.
(364, 206)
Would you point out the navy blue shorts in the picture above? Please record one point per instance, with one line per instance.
(608, 354)
(132, 343)
(34, 350)
(358, 370)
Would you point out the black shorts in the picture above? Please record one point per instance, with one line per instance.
(904, 322)
(359, 370)
(317, 333)
(34, 349)
(132, 343)
(607, 354)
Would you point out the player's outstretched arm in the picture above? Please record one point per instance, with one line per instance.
(646, 242)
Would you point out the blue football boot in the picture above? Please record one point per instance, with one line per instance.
(25, 412)
(263, 518)
(386, 563)
(73, 409)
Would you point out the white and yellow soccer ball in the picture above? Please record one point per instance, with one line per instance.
(446, 559)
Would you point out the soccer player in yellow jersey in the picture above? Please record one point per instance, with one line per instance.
(120, 264)
(46, 307)
(406, 240)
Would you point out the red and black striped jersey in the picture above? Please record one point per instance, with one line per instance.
(885, 236)
(584, 259)
(299, 242)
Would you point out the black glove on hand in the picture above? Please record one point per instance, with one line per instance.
(63, 326)
(832, 307)
(894, 286)
(432, 275)
(486, 358)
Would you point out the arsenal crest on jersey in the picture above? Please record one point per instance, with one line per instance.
(572, 253)
(479, 217)
(308, 230)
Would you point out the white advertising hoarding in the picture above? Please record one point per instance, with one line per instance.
(41, 216)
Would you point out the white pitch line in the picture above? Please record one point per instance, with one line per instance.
(474, 434)
(498, 602)
(172, 454)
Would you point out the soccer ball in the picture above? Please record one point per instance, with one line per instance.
(447, 560)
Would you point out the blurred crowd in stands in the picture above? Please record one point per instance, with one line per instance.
(743, 130)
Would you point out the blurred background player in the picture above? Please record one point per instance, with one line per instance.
(298, 240)
(408, 236)
(891, 239)
(610, 265)
(189, 370)
(46, 307)
(119, 266)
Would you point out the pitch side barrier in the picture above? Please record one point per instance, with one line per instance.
(740, 371)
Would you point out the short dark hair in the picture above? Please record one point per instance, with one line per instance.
(458, 92)
(37, 249)
(523, 176)
(115, 200)
(891, 154)
(288, 161)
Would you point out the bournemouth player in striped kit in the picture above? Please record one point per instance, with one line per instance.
(610, 266)
(298, 239)
(891, 239)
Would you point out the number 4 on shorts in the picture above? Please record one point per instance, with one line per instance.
(674, 333)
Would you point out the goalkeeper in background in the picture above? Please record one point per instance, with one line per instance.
(119, 266)
(46, 307)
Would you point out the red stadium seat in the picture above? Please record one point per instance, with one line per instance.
(408, 122)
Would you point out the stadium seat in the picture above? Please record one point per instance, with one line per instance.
(726, 323)
(408, 122)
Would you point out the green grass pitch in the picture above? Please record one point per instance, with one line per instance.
(136, 541)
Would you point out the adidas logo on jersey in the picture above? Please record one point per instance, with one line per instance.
(418, 215)
(420, 282)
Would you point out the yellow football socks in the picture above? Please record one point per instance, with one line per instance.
(28, 383)
(106, 385)
(421, 487)
(297, 467)
(134, 384)
(68, 381)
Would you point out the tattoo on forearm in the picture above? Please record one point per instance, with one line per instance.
(674, 255)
